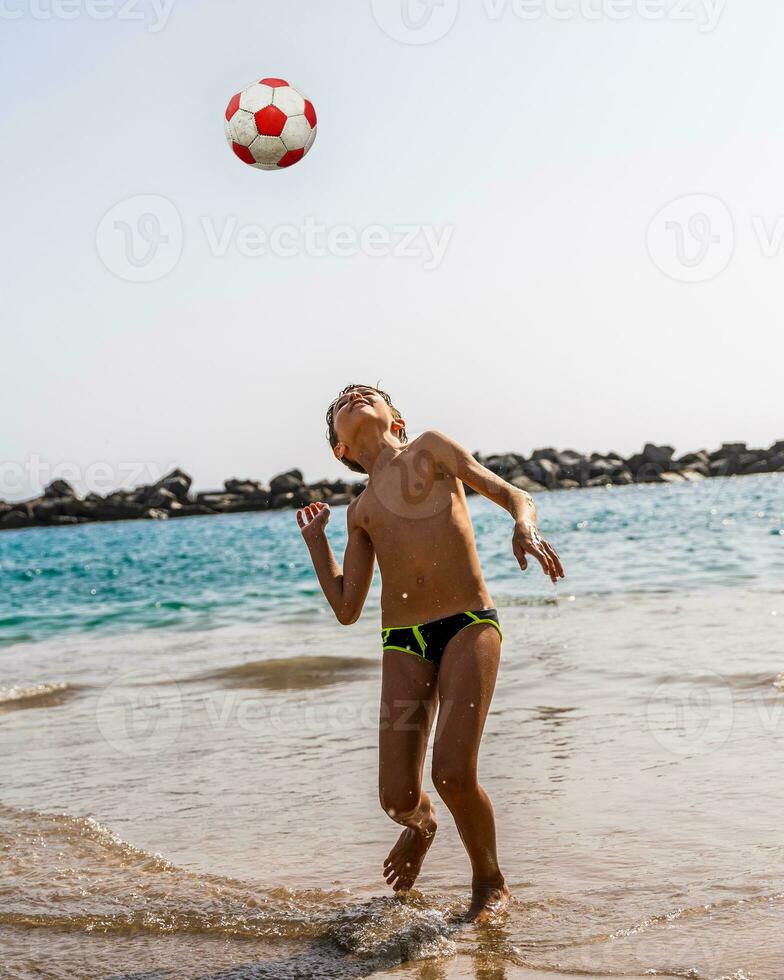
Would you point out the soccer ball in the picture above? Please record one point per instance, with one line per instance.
(270, 125)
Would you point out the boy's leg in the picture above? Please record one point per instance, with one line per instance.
(466, 681)
(409, 693)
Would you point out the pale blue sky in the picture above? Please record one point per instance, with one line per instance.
(546, 147)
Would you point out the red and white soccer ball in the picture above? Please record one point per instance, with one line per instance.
(270, 125)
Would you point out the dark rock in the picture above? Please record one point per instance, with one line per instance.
(542, 471)
(611, 457)
(357, 488)
(697, 466)
(286, 482)
(178, 487)
(155, 514)
(723, 466)
(305, 496)
(658, 455)
(568, 462)
(246, 488)
(161, 499)
(758, 466)
(649, 472)
(622, 478)
(570, 457)
(602, 468)
(633, 463)
(599, 481)
(74, 507)
(776, 463)
(280, 500)
(548, 454)
(749, 463)
(777, 448)
(340, 499)
(210, 497)
(192, 510)
(566, 485)
(114, 509)
(45, 510)
(527, 484)
(59, 488)
(504, 464)
(15, 518)
(728, 450)
(231, 503)
(702, 458)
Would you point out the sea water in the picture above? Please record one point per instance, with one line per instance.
(189, 750)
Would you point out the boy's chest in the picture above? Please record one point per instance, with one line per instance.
(404, 500)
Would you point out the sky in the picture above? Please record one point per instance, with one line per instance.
(534, 222)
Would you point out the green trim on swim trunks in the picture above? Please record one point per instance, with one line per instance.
(420, 640)
(477, 619)
(404, 650)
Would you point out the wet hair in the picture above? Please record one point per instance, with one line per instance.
(332, 435)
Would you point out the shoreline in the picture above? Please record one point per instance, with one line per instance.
(59, 505)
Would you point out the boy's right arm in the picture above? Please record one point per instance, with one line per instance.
(345, 590)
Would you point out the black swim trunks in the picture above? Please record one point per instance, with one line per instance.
(429, 640)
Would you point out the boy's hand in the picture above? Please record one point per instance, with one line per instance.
(313, 519)
(528, 541)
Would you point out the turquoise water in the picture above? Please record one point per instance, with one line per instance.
(206, 573)
(188, 773)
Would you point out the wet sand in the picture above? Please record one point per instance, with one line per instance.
(633, 755)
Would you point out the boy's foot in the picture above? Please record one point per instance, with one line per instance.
(487, 901)
(404, 862)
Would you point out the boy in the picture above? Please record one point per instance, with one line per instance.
(441, 638)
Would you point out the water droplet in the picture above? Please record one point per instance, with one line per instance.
(405, 595)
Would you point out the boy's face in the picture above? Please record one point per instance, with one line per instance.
(356, 409)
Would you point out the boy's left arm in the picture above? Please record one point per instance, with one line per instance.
(527, 539)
